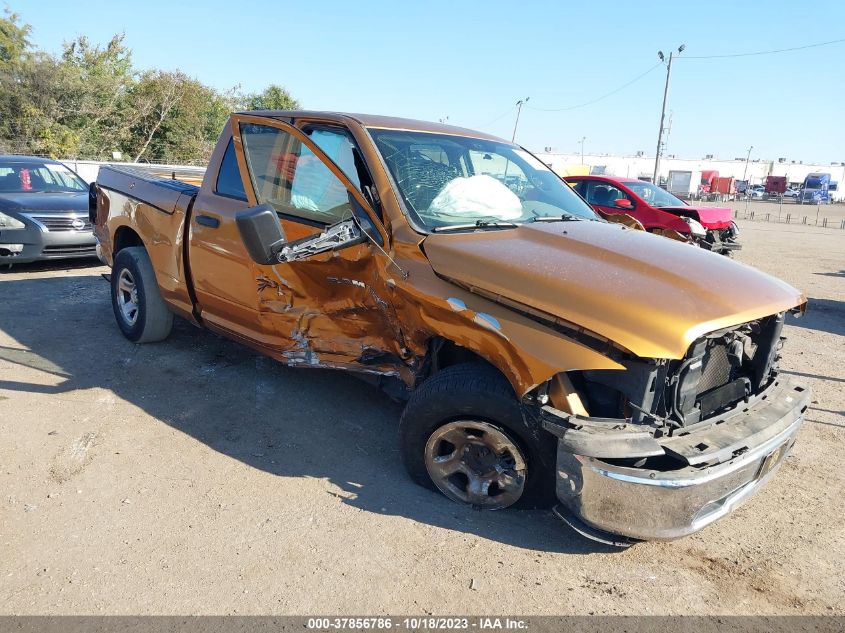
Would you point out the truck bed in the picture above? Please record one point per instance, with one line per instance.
(154, 210)
(165, 194)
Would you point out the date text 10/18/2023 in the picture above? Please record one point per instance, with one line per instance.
(416, 623)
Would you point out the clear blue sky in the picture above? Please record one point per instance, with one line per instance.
(471, 61)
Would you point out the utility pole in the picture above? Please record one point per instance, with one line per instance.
(747, 158)
(583, 138)
(747, 188)
(655, 177)
(519, 110)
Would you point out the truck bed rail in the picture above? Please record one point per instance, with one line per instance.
(165, 194)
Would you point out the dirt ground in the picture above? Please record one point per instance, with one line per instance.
(195, 477)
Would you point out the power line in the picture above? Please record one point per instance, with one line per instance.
(498, 118)
(605, 96)
(638, 77)
(769, 52)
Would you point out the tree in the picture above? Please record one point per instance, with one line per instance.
(274, 97)
(14, 40)
(92, 90)
(14, 51)
(153, 99)
(90, 101)
(67, 106)
(182, 118)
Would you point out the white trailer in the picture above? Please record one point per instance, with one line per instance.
(684, 183)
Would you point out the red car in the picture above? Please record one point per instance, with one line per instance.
(656, 209)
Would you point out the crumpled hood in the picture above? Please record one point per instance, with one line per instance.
(45, 202)
(710, 217)
(651, 295)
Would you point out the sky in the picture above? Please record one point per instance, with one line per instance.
(472, 61)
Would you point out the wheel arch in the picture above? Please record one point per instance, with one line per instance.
(444, 352)
(124, 237)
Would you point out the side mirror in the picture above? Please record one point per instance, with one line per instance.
(623, 203)
(261, 232)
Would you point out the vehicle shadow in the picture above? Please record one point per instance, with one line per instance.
(50, 264)
(824, 315)
(288, 422)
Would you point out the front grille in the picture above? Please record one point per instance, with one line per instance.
(87, 249)
(723, 368)
(63, 223)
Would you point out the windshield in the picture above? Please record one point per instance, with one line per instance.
(454, 181)
(654, 195)
(32, 177)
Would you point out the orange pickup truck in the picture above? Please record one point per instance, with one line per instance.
(541, 350)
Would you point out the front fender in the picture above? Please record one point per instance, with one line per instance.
(527, 352)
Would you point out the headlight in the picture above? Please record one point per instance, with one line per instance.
(695, 227)
(8, 222)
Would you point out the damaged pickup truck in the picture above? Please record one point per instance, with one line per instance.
(541, 350)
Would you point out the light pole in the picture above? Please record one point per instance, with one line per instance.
(654, 178)
(583, 138)
(518, 111)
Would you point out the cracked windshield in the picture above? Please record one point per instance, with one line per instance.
(455, 181)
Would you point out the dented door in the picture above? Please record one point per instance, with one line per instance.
(326, 309)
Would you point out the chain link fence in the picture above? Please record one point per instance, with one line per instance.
(791, 218)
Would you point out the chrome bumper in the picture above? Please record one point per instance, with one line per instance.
(664, 505)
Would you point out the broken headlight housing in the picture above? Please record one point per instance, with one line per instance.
(695, 227)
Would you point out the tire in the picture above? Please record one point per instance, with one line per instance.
(139, 310)
(475, 401)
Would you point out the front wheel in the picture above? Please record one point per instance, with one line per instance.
(141, 313)
(463, 433)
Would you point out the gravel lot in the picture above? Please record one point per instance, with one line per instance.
(195, 477)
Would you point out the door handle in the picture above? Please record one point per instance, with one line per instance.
(207, 220)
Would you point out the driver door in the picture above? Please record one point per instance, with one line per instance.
(603, 196)
(325, 308)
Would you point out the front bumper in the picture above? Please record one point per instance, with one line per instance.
(40, 243)
(723, 248)
(667, 504)
(722, 241)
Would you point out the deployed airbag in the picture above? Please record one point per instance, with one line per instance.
(476, 196)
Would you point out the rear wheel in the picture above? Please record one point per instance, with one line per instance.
(141, 313)
(463, 433)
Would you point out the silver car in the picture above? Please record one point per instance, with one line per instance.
(43, 211)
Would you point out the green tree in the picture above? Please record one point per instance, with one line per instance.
(273, 97)
(93, 86)
(14, 40)
(90, 101)
(14, 52)
(180, 118)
